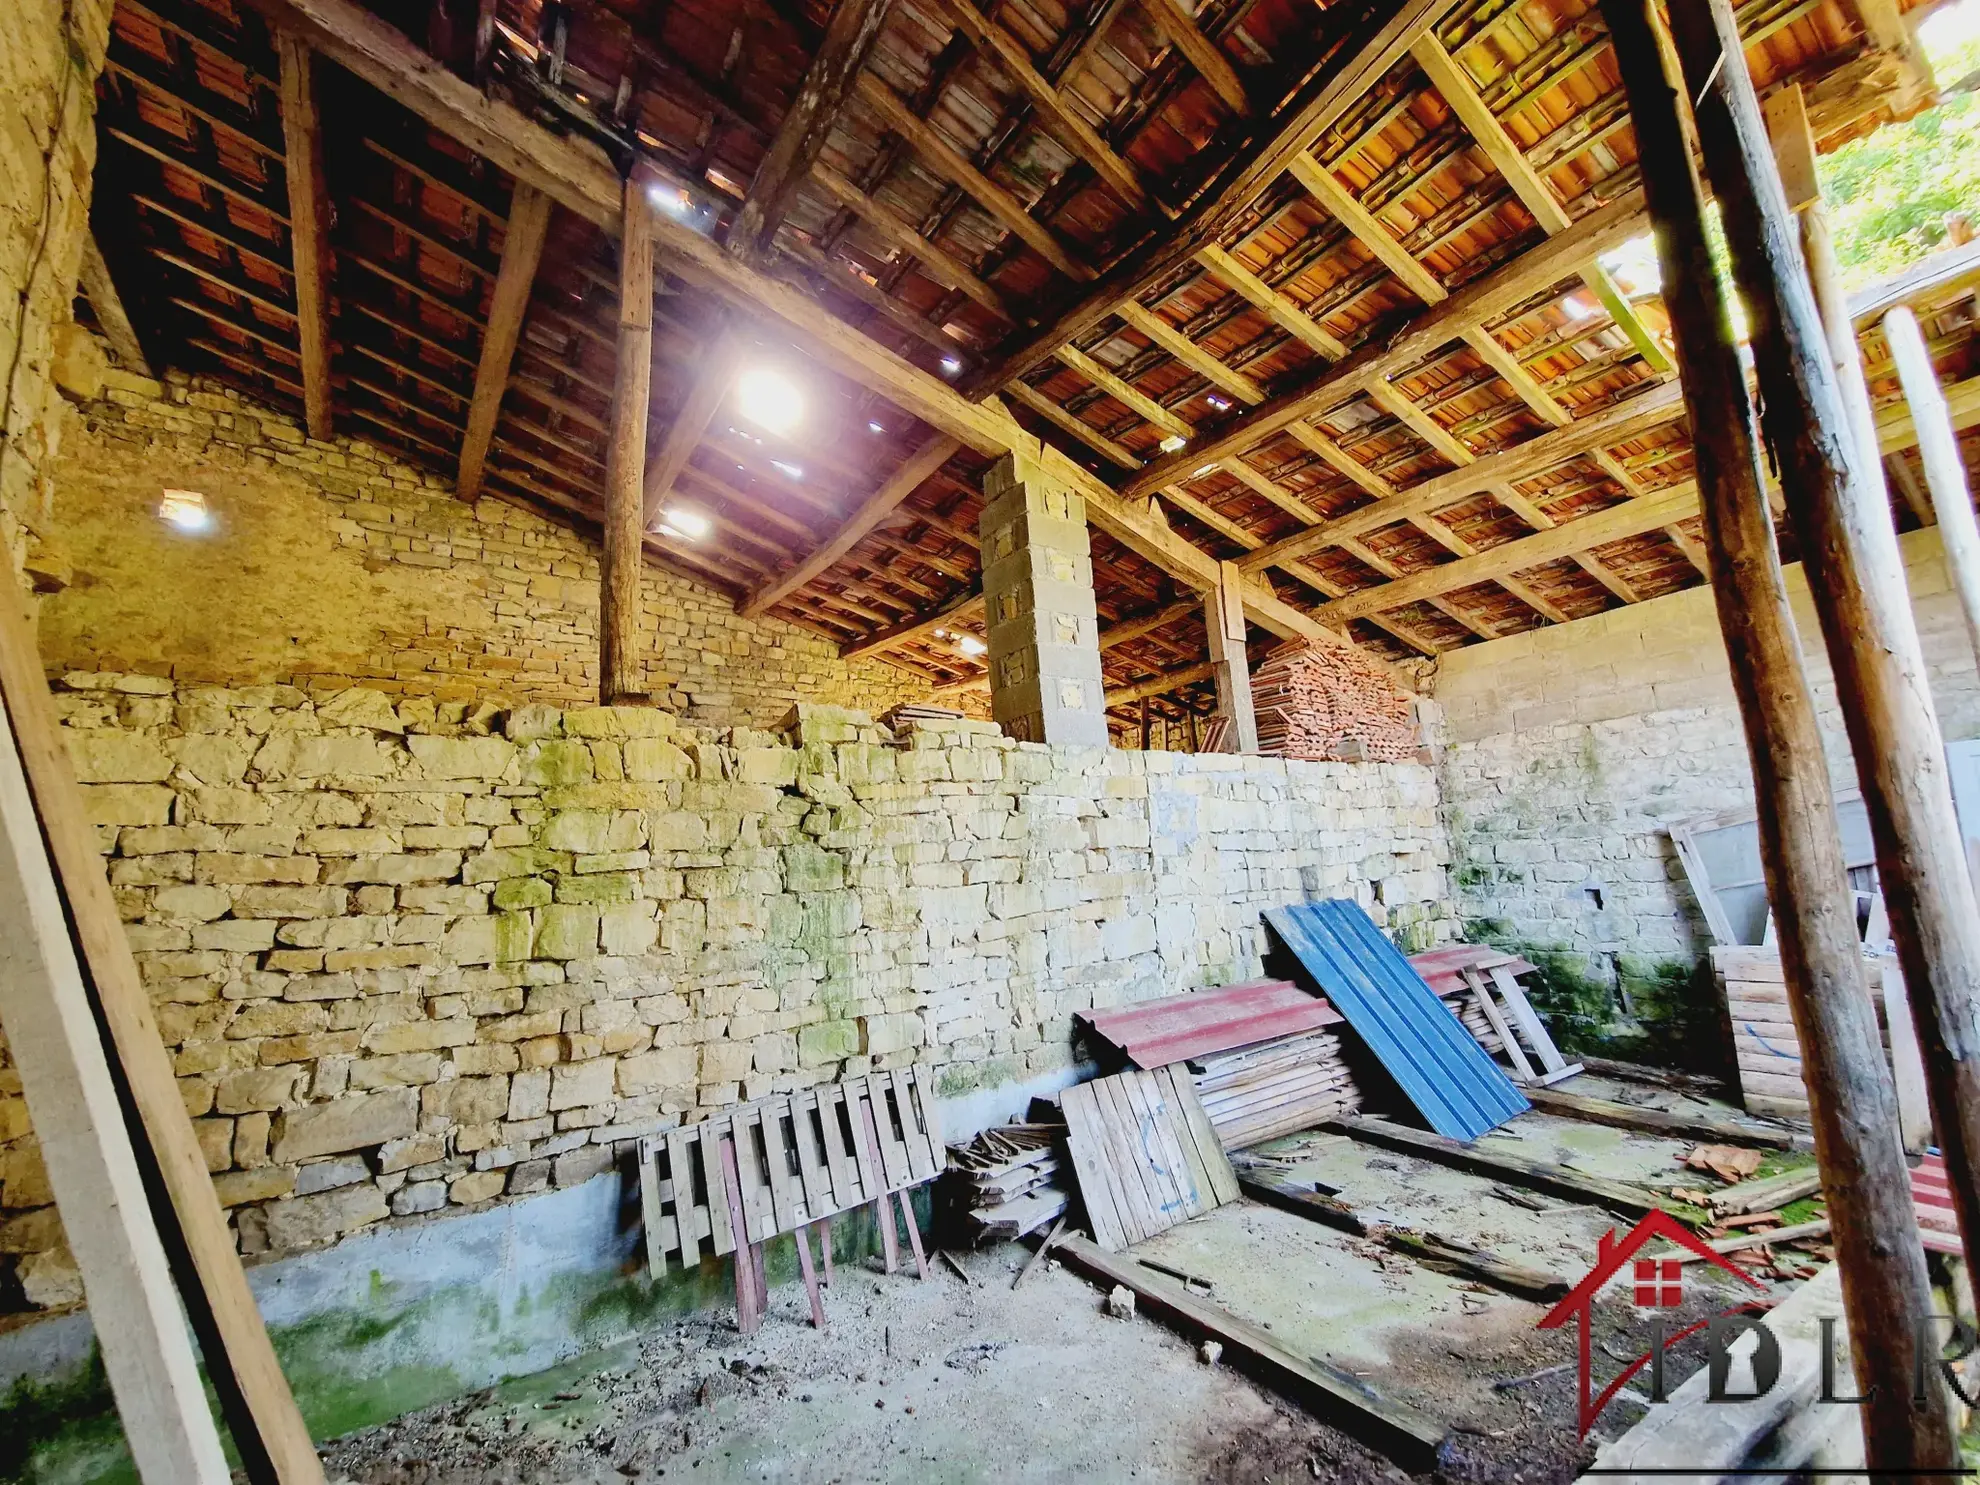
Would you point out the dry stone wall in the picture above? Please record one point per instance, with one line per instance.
(1570, 752)
(50, 54)
(411, 954)
(332, 562)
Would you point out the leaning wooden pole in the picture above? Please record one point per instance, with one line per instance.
(1945, 466)
(1852, 1103)
(1842, 521)
(621, 675)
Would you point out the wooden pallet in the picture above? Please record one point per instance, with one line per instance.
(799, 1158)
(1145, 1154)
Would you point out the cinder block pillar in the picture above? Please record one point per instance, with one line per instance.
(1223, 616)
(1043, 633)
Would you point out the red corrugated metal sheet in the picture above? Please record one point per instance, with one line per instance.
(1937, 1225)
(1158, 1032)
(1440, 967)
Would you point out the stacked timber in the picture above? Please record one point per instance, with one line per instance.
(1262, 1091)
(1768, 1049)
(1014, 1178)
(1321, 701)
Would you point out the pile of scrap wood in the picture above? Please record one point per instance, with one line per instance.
(1256, 1093)
(1259, 1054)
(1013, 1178)
(1323, 701)
(1747, 1216)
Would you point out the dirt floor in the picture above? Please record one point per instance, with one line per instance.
(942, 1381)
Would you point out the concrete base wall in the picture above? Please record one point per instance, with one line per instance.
(1569, 752)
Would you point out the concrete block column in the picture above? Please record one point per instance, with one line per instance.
(1043, 633)
(1223, 616)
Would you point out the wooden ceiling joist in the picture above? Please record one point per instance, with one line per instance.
(309, 227)
(522, 249)
(806, 125)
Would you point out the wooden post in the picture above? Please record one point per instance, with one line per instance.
(260, 1411)
(1842, 520)
(1852, 1104)
(522, 250)
(91, 1165)
(621, 672)
(1223, 616)
(1945, 466)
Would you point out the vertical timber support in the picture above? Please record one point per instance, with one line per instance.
(1945, 466)
(1853, 1105)
(1041, 625)
(1842, 520)
(1223, 617)
(621, 673)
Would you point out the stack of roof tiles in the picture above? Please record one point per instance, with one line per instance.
(1322, 701)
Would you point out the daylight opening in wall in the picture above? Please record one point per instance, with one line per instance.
(770, 400)
(971, 646)
(678, 520)
(185, 509)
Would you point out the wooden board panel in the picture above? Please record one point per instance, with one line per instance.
(1144, 1153)
(1099, 1189)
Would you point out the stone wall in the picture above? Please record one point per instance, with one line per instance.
(50, 54)
(412, 954)
(333, 562)
(1569, 752)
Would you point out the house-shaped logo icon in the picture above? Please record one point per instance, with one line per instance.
(1658, 1285)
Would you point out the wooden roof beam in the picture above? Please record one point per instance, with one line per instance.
(895, 230)
(711, 388)
(950, 163)
(522, 249)
(1377, 43)
(1488, 297)
(309, 227)
(579, 177)
(1458, 90)
(800, 138)
(1060, 119)
(936, 451)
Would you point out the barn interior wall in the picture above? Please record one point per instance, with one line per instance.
(333, 562)
(50, 54)
(1570, 751)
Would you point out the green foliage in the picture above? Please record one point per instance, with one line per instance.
(1890, 193)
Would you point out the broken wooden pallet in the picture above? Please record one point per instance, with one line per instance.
(1145, 1154)
(1519, 1029)
(799, 1159)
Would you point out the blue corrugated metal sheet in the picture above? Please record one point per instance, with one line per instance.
(1461, 1091)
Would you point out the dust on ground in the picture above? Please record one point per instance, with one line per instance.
(936, 1382)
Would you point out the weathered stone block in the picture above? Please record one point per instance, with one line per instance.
(581, 1084)
(825, 1042)
(466, 1100)
(354, 1122)
(111, 757)
(488, 758)
(653, 760)
(567, 931)
(628, 930)
(309, 1221)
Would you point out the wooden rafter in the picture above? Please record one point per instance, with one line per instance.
(800, 138)
(101, 291)
(309, 227)
(522, 249)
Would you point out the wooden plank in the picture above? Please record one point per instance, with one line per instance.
(1176, 22)
(898, 232)
(930, 1104)
(779, 1159)
(801, 135)
(1160, 1151)
(1482, 994)
(866, 1140)
(1907, 1063)
(684, 434)
(1659, 1121)
(692, 1219)
(91, 1165)
(919, 467)
(892, 1153)
(101, 290)
(259, 1409)
(1410, 1438)
(759, 1216)
(309, 227)
(711, 1133)
(1541, 1175)
(1098, 1190)
(749, 1301)
(819, 1200)
(1530, 1025)
(1187, 351)
(660, 1235)
(950, 163)
(522, 250)
(926, 1157)
(1140, 1210)
(847, 1189)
